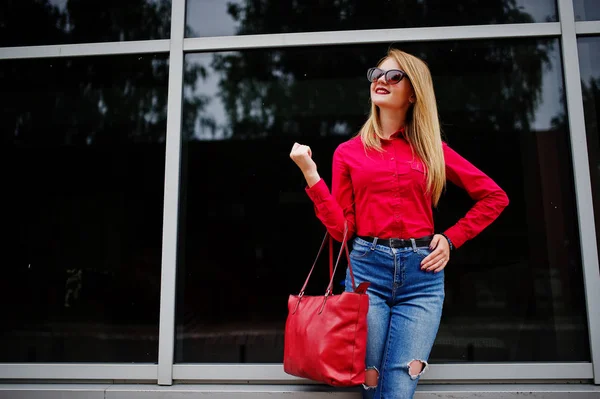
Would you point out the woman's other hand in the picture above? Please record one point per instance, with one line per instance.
(437, 260)
(302, 156)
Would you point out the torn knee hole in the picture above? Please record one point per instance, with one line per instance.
(416, 368)
(371, 378)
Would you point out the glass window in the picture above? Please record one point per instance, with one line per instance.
(586, 10)
(246, 17)
(45, 22)
(249, 232)
(589, 64)
(83, 153)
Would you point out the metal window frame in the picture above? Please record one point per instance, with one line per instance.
(583, 185)
(166, 341)
(587, 27)
(371, 36)
(87, 49)
(546, 29)
(84, 371)
(177, 46)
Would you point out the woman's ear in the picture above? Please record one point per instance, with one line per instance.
(412, 98)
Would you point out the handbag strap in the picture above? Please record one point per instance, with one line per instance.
(332, 269)
(330, 254)
(344, 248)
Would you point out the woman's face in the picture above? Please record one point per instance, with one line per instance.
(391, 96)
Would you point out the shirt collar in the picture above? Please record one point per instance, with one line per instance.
(399, 134)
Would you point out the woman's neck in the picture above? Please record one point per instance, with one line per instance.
(391, 122)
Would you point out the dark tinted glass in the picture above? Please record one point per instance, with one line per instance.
(589, 64)
(249, 232)
(41, 22)
(587, 10)
(246, 17)
(82, 157)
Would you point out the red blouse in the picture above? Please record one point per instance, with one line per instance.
(382, 194)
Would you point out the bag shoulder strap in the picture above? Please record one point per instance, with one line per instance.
(332, 268)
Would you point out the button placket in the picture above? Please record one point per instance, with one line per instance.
(401, 169)
(395, 183)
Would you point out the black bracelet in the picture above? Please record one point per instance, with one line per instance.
(449, 241)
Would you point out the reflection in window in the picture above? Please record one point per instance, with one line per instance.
(40, 22)
(586, 10)
(83, 170)
(249, 231)
(589, 64)
(244, 17)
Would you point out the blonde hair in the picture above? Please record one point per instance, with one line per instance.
(422, 126)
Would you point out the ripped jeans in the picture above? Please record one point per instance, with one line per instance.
(405, 307)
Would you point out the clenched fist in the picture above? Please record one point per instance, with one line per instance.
(302, 156)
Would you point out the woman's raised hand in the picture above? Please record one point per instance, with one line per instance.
(302, 156)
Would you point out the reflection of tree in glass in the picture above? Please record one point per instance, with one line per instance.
(272, 16)
(194, 103)
(31, 22)
(117, 20)
(24, 22)
(591, 105)
(98, 100)
(322, 91)
(92, 100)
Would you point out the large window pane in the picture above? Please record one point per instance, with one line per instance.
(83, 172)
(248, 229)
(40, 22)
(586, 10)
(589, 64)
(244, 17)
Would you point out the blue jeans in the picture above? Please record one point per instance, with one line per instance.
(405, 307)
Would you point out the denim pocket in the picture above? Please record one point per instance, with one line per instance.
(424, 251)
(360, 250)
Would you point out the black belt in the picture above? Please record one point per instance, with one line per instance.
(399, 242)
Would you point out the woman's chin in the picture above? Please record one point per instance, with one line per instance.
(385, 105)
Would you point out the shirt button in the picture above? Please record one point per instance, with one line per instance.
(391, 159)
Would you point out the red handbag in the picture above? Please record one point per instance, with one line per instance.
(326, 336)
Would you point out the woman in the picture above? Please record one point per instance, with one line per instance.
(385, 182)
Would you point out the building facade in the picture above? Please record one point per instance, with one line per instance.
(155, 225)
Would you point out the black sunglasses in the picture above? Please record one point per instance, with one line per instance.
(393, 76)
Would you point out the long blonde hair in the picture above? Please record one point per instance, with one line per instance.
(422, 126)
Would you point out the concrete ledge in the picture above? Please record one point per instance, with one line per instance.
(53, 391)
(188, 391)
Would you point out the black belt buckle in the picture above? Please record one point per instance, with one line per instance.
(399, 243)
